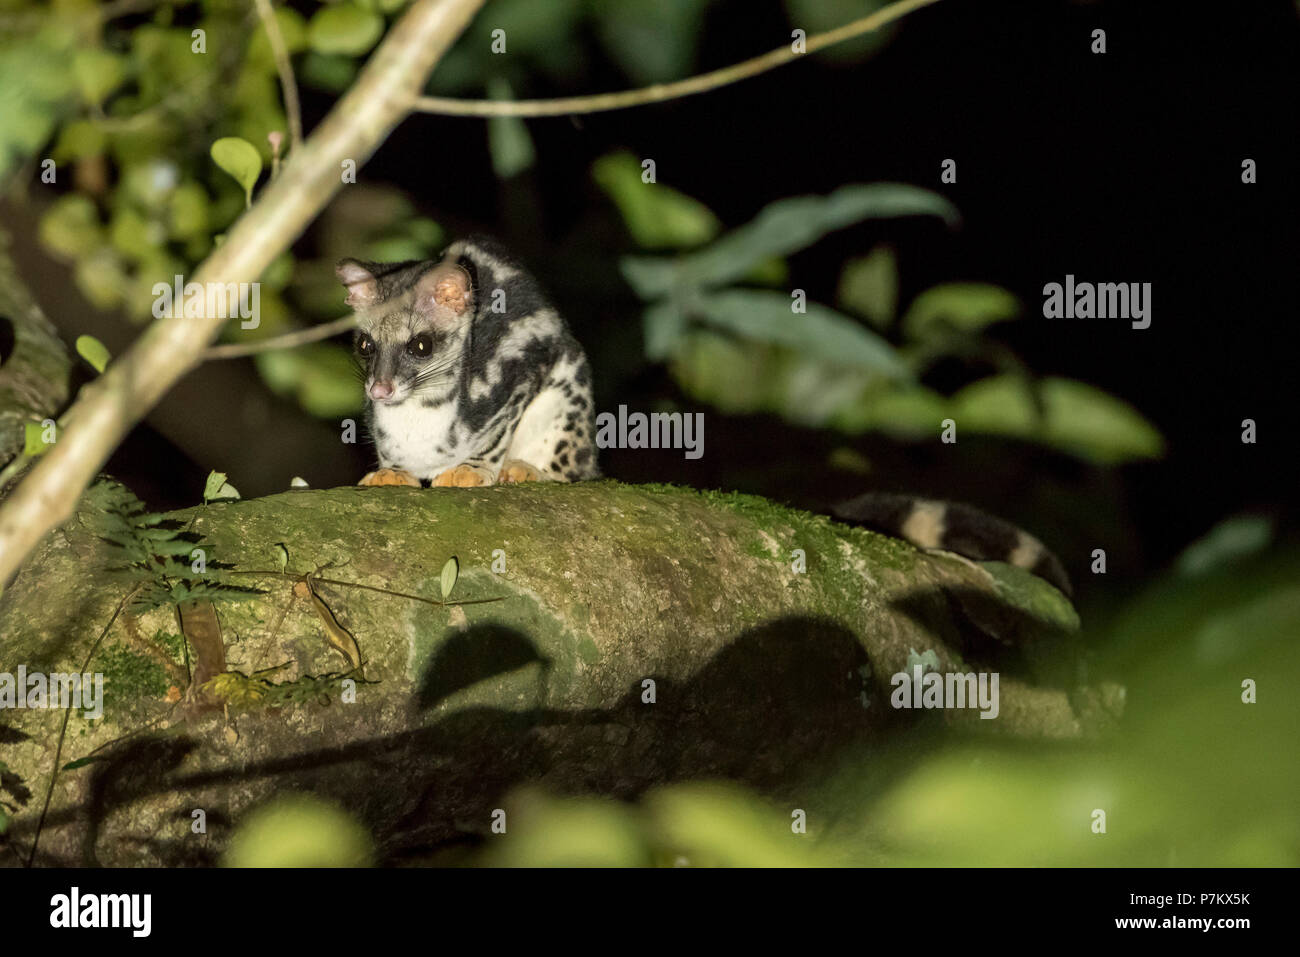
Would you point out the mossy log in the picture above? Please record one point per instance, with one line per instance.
(34, 367)
(637, 635)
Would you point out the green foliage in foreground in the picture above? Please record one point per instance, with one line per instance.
(1196, 777)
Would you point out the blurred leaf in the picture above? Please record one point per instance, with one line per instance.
(724, 825)
(783, 227)
(1080, 419)
(908, 413)
(508, 139)
(94, 352)
(188, 211)
(133, 236)
(299, 830)
(652, 42)
(79, 139)
(149, 183)
(1231, 539)
(663, 324)
(657, 216)
(322, 377)
(71, 227)
(279, 273)
(98, 74)
(332, 73)
(425, 231)
(241, 160)
(544, 831)
(293, 28)
(818, 16)
(344, 28)
(964, 306)
(869, 286)
(101, 278)
(281, 554)
(821, 333)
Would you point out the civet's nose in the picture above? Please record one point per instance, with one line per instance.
(381, 389)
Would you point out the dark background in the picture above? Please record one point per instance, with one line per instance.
(1122, 167)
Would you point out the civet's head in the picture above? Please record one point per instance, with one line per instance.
(411, 320)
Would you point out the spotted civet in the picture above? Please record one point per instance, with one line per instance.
(471, 376)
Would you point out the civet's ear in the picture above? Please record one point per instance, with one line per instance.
(444, 295)
(363, 288)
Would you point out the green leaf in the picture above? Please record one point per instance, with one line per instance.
(93, 351)
(327, 385)
(217, 489)
(98, 74)
(450, 572)
(821, 333)
(101, 278)
(344, 28)
(657, 216)
(241, 160)
(34, 439)
(299, 830)
(508, 140)
(963, 306)
(1079, 419)
(1231, 539)
(784, 227)
(71, 227)
(652, 42)
(293, 29)
(332, 73)
(79, 763)
(663, 325)
(817, 16)
(188, 211)
(869, 286)
(79, 139)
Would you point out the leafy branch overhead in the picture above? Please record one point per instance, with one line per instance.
(746, 349)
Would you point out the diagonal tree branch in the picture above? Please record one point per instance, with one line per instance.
(108, 407)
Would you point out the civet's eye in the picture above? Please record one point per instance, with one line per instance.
(365, 345)
(420, 346)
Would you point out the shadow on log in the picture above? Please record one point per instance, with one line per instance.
(624, 637)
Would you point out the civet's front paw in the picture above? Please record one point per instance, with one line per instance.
(464, 476)
(390, 477)
(518, 471)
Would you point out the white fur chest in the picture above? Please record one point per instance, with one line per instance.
(408, 436)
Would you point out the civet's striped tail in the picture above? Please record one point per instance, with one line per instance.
(954, 527)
